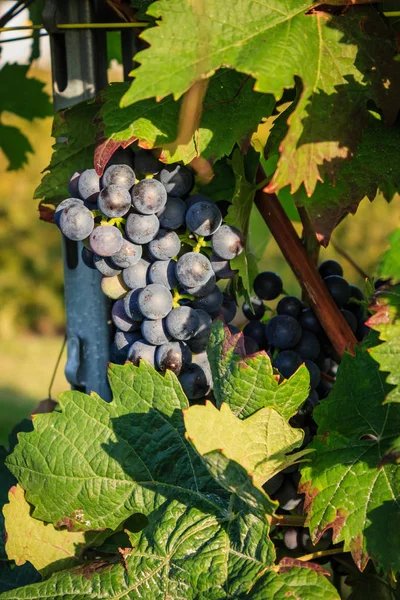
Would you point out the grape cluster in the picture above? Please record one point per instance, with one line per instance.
(293, 336)
(161, 251)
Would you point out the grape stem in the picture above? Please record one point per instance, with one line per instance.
(320, 553)
(177, 297)
(288, 520)
(306, 272)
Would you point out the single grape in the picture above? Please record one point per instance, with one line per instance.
(172, 216)
(203, 218)
(222, 268)
(146, 163)
(228, 308)
(121, 319)
(88, 257)
(89, 185)
(287, 362)
(350, 318)
(250, 346)
(122, 156)
(113, 287)
(356, 293)
(362, 331)
(330, 267)
(142, 350)
(183, 323)
(106, 240)
(308, 320)
(120, 347)
(258, 308)
(203, 289)
(201, 359)
(149, 196)
(141, 229)
(131, 305)
(155, 332)
(165, 245)
(287, 496)
(228, 242)
(198, 343)
(291, 539)
(76, 222)
(195, 382)
(338, 288)
(323, 544)
(174, 356)
(289, 305)
(272, 485)
(193, 269)
(197, 198)
(163, 272)
(210, 303)
(315, 373)
(176, 179)
(136, 277)
(155, 301)
(73, 184)
(283, 332)
(128, 256)
(256, 331)
(268, 285)
(105, 266)
(119, 175)
(114, 201)
(309, 346)
(67, 203)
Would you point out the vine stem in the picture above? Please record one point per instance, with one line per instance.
(310, 241)
(306, 272)
(288, 520)
(320, 553)
(349, 259)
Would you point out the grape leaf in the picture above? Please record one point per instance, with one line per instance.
(184, 553)
(45, 547)
(12, 577)
(247, 383)
(73, 152)
(347, 485)
(274, 44)
(100, 462)
(389, 266)
(386, 320)
(260, 443)
(13, 79)
(7, 480)
(373, 169)
(231, 111)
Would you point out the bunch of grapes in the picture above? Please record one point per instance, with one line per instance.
(161, 252)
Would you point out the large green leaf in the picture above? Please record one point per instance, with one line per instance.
(73, 152)
(347, 485)
(25, 97)
(100, 462)
(389, 266)
(231, 112)
(274, 43)
(247, 383)
(386, 320)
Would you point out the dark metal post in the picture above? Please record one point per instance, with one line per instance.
(79, 67)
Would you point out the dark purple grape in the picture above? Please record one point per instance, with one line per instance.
(291, 306)
(163, 272)
(287, 495)
(141, 229)
(149, 196)
(350, 318)
(283, 332)
(131, 305)
(309, 346)
(73, 184)
(308, 320)
(198, 343)
(128, 256)
(228, 242)
(174, 356)
(89, 185)
(183, 323)
(193, 269)
(121, 319)
(142, 350)
(250, 346)
(146, 163)
(256, 331)
(176, 179)
(291, 539)
(114, 201)
(203, 289)
(67, 203)
(155, 331)
(88, 257)
(203, 218)
(338, 288)
(195, 382)
(106, 240)
(287, 362)
(105, 266)
(76, 222)
(268, 285)
(330, 267)
(228, 308)
(172, 216)
(323, 544)
(120, 347)
(272, 485)
(258, 309)
(119, 175)
(222, 268)
(165, 245)
(356, 293)
(315, 373)
(155, 301)
(210, 303)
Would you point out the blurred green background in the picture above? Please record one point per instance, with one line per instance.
(31, 280)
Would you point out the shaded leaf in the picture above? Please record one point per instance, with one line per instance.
(45, 547)
(12, 577)
(13, 79)
(346, 484)
(15, 146)
(247, 383)
(386, 321)
(389, 266)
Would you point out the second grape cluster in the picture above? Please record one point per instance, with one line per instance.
(160, 251)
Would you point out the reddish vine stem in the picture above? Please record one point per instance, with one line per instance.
(309, 238)
(320, 300)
